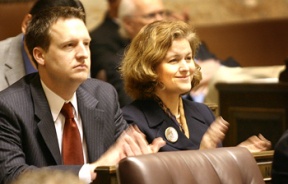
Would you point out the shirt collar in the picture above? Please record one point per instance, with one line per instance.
(56, 102)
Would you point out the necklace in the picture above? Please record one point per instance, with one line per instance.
(180, 117)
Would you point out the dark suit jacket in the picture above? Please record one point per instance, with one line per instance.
(107, 48)
(105, 39)
(27, 132)
(280, 161)
(153, 121)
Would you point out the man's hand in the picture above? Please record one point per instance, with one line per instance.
(208, 69)
(130, 143)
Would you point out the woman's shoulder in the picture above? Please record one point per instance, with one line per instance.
(194, 104)
(199, 109)
(138, 106)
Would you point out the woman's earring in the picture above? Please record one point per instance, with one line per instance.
(161, 85)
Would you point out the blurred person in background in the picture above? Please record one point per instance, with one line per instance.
(128, 17)
(280, 160)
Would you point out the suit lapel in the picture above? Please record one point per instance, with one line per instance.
(182, 142)
(46, 124)
(92, 121)
(196, 121)
(157, 119)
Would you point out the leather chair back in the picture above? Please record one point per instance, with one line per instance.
(227, 165)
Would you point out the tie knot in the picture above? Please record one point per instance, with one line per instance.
(67, 110)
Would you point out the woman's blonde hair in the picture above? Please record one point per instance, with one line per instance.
(148, 49)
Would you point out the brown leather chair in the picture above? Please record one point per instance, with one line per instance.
(229, 165)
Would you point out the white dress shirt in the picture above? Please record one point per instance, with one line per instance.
(56, 103)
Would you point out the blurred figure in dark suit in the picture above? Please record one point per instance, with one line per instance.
(107, 45)
(280, 161)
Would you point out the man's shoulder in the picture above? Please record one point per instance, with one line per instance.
(106, 35)
(197, 108)
(10, 45)
(20, 88)
(282, 143)
(11, 40)
(106, 27)
(191, 103)
(92, 84)
(99, 90)
(140, 105)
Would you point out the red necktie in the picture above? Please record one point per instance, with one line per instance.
(72, 152)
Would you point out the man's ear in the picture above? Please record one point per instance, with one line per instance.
(128, 26)
(25, 22)
(39, 55)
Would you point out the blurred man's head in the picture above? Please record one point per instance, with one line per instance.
(40, 5)
(134, 14)
(113, 6)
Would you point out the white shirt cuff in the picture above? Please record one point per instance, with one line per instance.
(84, 173)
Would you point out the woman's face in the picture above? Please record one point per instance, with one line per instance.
(176, 70)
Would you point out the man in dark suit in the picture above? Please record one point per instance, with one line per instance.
(107, 45)
(31, 119)
(106, 39)
(280, 161)
(15, 62)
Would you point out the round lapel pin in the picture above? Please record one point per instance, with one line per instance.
(171, 134)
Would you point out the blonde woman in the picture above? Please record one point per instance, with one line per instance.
(158, 68)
